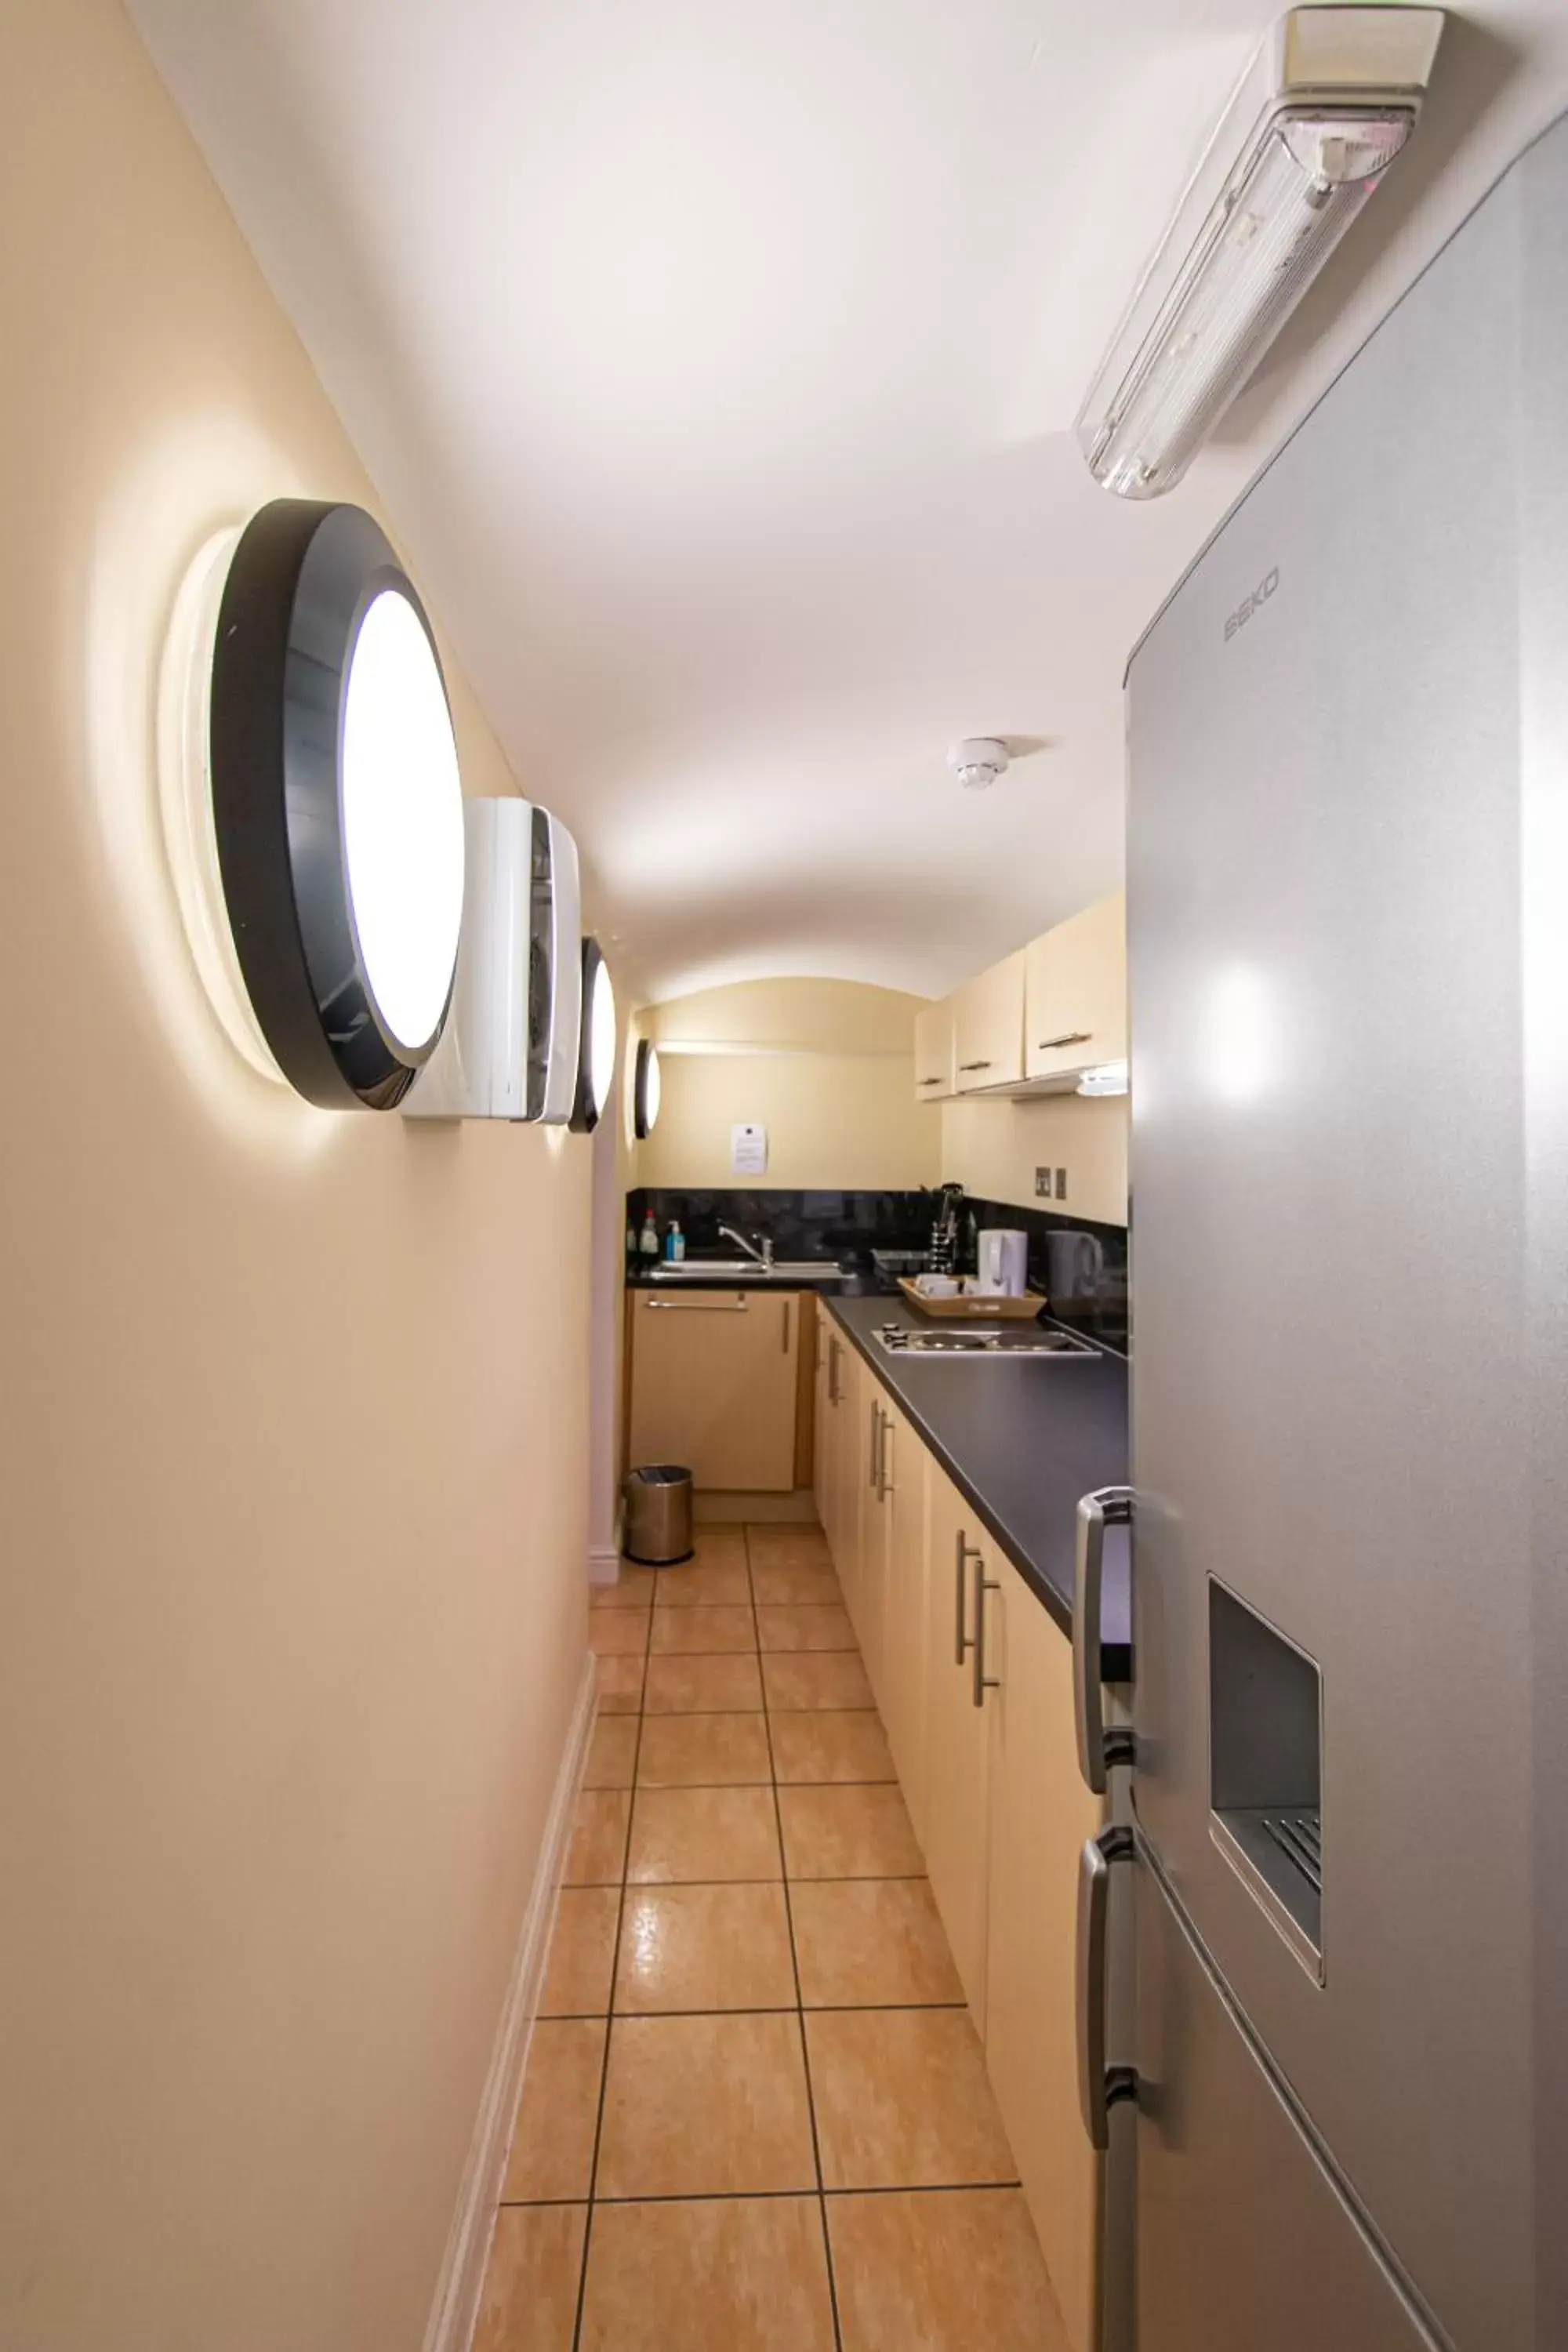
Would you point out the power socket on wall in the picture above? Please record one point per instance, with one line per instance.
(1045, 1189)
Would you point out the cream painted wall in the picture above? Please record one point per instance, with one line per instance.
(834, 1087)
(993, 1148)
(293, 1468)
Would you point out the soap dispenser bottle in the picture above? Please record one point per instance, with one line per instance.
(675, 1243)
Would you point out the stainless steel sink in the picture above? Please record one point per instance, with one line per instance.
(746, 1269)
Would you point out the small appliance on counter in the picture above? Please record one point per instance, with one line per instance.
(1074, 1266)
(973, 1347)
(942, 1256)
(1002, 1260)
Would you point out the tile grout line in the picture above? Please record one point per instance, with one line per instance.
(799, 1995)
(610, 2000)
(753, 2009)
(802, 1878)
(775, 2196)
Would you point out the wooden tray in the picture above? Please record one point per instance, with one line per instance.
(973, 1310)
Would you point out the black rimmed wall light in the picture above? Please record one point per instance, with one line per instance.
(645, 1090)
(336, 802)
(597, 1051)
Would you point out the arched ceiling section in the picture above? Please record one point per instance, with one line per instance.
(717, 361)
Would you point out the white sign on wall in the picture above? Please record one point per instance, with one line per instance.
(749, 1149)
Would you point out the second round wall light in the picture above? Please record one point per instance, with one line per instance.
(647, 1090)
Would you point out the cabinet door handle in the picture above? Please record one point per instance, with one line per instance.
(696, 1306)
(833, 1395)
(884, 1484)
(983, 1681)
(783, 1335)
(874, 1475)
(1073, 1037)
(1099, 2086)
(1106, 1506)
(975, 1065)
(962, 1550)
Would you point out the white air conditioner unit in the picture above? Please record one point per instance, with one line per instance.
(512, 1039)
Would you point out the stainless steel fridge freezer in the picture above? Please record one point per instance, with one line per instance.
(1343, 1865)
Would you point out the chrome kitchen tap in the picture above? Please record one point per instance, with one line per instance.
(763, 1255)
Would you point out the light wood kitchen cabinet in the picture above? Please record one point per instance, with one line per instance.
(907, 1469)
(933, 1051)
(893, 1572)
(957, 1742)
(994, 1789)
(852, 1481)
(838, 1454)
(825, 1436)
(714, 1385)
(1039, 1815)
(1074, 991)
(988, 1027)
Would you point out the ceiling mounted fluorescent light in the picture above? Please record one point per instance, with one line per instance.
(1328, 102)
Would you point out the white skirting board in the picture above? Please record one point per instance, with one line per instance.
(455, 2313)
(604, 1564)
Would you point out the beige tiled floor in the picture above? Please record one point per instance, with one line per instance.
(755, 2117)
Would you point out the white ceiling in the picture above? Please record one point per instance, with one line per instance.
(716, 361)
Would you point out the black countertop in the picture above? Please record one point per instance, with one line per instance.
(1021, 1438)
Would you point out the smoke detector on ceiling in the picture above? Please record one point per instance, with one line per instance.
(978, 760)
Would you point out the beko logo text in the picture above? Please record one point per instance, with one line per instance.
(1250, 605)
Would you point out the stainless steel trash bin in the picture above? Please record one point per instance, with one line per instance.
(657, 1532)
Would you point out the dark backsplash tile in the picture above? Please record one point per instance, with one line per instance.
(848, 1226)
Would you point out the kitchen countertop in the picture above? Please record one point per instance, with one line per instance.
(1021, 1440)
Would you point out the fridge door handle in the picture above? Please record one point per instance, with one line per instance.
(1106, 1506)
(1099, 2086)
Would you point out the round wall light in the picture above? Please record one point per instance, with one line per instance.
(597, 1052)
(336, 802)
(646, 1089)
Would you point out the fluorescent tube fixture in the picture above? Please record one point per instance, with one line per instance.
(1327, 103)
(1104, 1078)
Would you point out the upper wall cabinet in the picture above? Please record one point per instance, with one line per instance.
(1075, 993)
(933, 1051)
(988, 1027)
